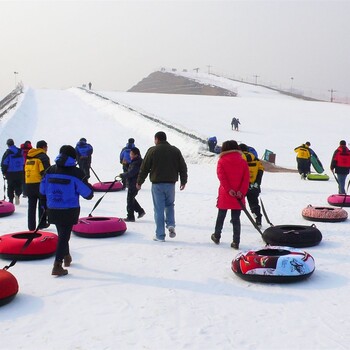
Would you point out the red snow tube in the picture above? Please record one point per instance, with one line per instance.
(339, 200)
(274, 265)
(6, 208)
(292, 235)
(105, 186)
(8, 287)
(324, 214)
(99, 227)
(42, 246)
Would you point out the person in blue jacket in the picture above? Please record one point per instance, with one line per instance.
(60, 188)
(12, 167)
(125, 159)
(84, 155)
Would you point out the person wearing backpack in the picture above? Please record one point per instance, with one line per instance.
(125, 159)
(12, 167)
(340, 165)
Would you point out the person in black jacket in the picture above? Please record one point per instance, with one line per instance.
(60, 188)
(131, 176)
(12, 167)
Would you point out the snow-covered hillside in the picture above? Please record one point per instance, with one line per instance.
(130, 292)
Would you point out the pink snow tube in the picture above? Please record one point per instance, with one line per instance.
(99, 227)
(6, 208)
(106, 186)
(339, 200)
(42, 246)
(325, 214)
(8, 287)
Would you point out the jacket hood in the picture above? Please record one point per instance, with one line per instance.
(63, 160)
(230, 151)
(14, 149)
(34, 152)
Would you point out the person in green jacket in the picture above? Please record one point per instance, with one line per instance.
(165, 164)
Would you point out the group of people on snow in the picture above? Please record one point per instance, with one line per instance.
(340, 162)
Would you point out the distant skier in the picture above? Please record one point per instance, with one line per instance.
(90, 85)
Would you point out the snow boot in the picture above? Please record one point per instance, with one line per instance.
(234, 245)
(215, 239)
(67, 260)
(58, 270)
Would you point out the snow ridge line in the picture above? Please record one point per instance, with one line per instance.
(156, 120)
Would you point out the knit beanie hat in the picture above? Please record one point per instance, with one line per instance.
(68, 151)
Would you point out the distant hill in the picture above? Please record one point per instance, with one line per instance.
(168, 83)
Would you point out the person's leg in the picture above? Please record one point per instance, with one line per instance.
(341, 183)
(158, 197)
(62, 251)
(219, 222)
(32, 201)
(10, 190)
(130, 204)
(64, 233)
(169, 204)
(236, 223)
(253, 200)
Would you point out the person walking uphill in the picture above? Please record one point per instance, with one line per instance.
(36, 164)
(12, 167)
(340, 164)
(130, 176)
(84, 155)
(233, 174)
(303, 159)
(165, 164)
(125, 159)
(61, 187)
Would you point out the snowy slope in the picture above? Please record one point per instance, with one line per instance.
(132, 293)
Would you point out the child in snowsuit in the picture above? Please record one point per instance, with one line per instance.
(131, 176)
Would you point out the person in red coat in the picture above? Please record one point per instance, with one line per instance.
(233, 174)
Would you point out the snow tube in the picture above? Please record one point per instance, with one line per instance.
(274, 265)
(99, 227)
(318, 177)
(339, 200)
(324, 214)
(6, 208)
(8, 287)
(292, 235)
(105, 186)
(42, 246)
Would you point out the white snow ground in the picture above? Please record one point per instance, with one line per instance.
(129, 292)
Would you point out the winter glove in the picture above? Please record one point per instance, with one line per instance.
(235, 194)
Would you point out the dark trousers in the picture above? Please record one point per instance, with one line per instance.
(303, 166)
(14, 186)
(253, 201)
(84, 165)
(64, 233)
(33, 202)
(236, 223)
(132, 205)
(125, 170)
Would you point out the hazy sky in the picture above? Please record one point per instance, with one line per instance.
(115, 44)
